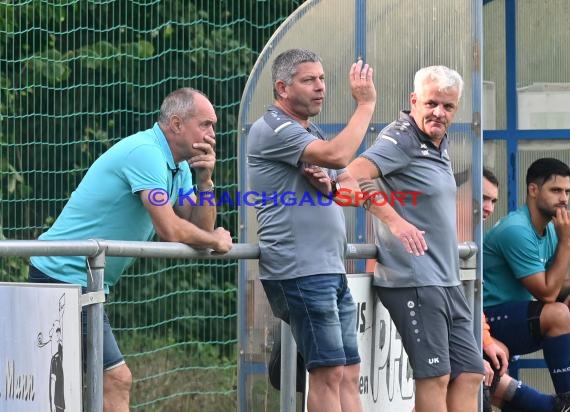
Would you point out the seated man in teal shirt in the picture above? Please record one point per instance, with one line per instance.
(141, 186)
(526, 258)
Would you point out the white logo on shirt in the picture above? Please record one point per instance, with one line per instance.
(390, 139)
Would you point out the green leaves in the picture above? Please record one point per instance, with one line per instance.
(49, 68)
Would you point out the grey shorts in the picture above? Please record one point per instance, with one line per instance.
(436, 327)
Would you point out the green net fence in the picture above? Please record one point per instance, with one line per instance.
(76, 76)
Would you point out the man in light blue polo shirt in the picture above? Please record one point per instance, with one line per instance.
(417, 274)
(132, 192)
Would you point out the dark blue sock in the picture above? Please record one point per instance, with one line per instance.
(557, 356)
(527, 399)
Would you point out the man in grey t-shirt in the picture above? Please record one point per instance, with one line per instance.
(295, 170)
(417, 275)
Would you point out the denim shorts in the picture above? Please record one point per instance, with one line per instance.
(322, 316)
(112, 356)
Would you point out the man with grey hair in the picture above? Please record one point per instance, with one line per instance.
(301, 264)
(132, 192)
(417, 273)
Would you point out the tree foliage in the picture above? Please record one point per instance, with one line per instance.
(78, 75)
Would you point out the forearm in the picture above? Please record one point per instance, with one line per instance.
(204, 214)
(565, 290)
(381, 209)
(557, 275)
(188, 233)
(339, 151)
(346, 180)
(385, 213)
(347, 142)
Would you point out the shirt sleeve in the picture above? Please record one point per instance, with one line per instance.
(387, 154)
(487, 339)
(520, 250)
(142, 171)
(288, 141)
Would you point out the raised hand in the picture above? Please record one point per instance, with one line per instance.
(362, 83)
(204, 162)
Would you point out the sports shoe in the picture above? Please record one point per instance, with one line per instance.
(562, 402)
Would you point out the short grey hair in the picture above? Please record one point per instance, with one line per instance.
(443, 76)
(285, 65)
(179, 103)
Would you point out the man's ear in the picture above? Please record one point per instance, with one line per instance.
(280, 87)
(413, 98)
(175, 124)
(533, 190)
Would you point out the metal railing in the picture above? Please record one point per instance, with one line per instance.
(96, 252)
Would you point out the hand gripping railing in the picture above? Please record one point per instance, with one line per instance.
(96, 252)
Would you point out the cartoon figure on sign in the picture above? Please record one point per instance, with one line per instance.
(56, 380)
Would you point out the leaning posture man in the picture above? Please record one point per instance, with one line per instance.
(118, 199)
(301, 264)
(417, 275)
(526, 258)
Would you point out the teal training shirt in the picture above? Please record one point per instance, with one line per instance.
(512, 250)
(107, 205)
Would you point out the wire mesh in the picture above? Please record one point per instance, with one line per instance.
(76, 76)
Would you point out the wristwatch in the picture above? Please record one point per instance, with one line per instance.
(335, 187)
(209, 189)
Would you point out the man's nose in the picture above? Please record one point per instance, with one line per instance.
(439, 111)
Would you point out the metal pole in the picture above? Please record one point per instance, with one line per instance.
(94, 297)
(94, 340)
(288, 394)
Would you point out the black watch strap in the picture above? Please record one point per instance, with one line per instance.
(335, 187)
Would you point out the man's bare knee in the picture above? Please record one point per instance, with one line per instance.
(118, 379)
(328, 375)
(351, 374)
(555, 319)
(469, 380)
(436, 384)
(431, 393)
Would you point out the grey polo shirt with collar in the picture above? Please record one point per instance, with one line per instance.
(409, 162)
(301, 232)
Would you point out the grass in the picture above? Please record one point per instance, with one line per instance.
(180, 377)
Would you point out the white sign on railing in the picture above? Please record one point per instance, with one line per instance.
(386, 383)
(40, 348)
